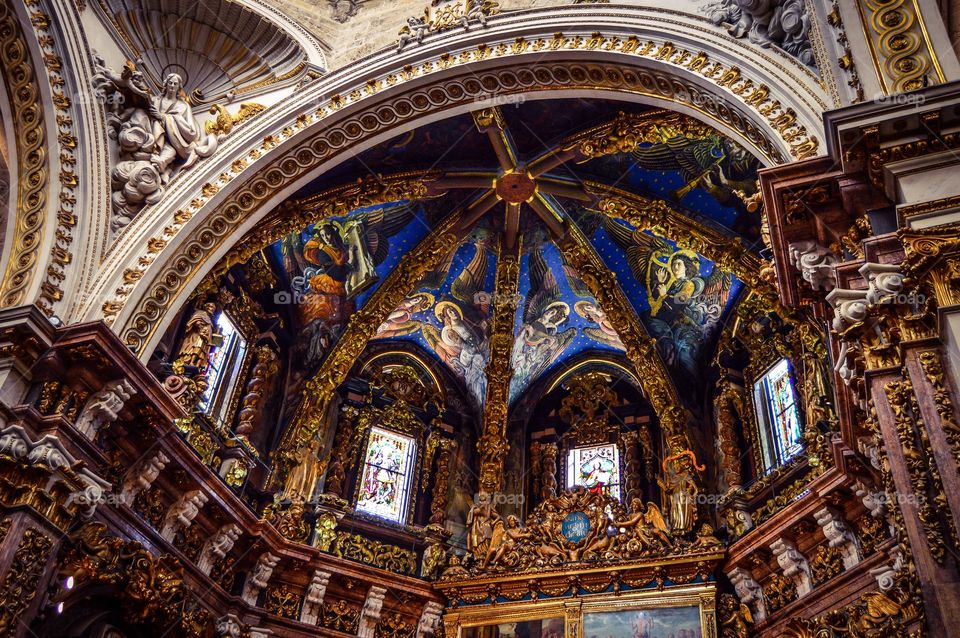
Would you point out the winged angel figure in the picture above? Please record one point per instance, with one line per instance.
(459, 336)
(685, 304)
(335, 261)
(540, 340)
(723, 168)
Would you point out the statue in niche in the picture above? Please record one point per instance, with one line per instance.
(197, 339)
(156, 136)
(679, 485)
(303, 478)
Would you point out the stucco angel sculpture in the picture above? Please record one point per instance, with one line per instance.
(156, 134)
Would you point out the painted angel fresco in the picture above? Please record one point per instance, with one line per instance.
(457, 328)
(588, 308)
(541, 339)
(332, 262)
(685, 294)
(723, 168)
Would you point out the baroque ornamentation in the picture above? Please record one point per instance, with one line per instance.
(783, 23)
(492, 444)
(310, 418)
(19, 586)
(641, 348)
(241, 204)
(919, 465)
(32, 162)
(900, 45)
(151, 588)
(382, 555)
(51, 290)
(157, 135)
(442, 15)
(572, 528)
(933, 369)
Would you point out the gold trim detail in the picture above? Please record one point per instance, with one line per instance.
(641, 348)
(32, 168)
(899, 44)
(310, 420)
(492, 445)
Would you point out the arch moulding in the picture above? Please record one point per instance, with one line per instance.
(659, 58)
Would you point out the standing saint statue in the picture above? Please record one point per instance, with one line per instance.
(679, 485)
(484, 529)
(197, 339)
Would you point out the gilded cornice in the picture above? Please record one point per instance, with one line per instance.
(32, 165)
(545, 71)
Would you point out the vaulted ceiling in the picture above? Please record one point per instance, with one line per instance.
(523, 179)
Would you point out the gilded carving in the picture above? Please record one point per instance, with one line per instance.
(283, 601)
(826, 563)
(729, 410)
(32, 164)
(441, 484)
(899, 394)
(735, 617)
(779, 591)
(874, 613)
(654, 379)
(20, 585)
(933, 368)
(167, 283)
(492, 445)
(902, 53)
(572, 528)
(311, 416)
(150, 589)
(222, 125)
(340, 616)
(382, 555)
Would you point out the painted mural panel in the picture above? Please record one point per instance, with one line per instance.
(449, 313)
(665, 622)
(332, 267)
(681, 297)
(557, 318)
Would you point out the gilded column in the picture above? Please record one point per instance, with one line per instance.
(438, 506)
(260, 377)
(633, 476)
(728, 407)
(548, 476)
(492, 445)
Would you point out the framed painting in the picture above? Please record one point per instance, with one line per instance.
(687, 611)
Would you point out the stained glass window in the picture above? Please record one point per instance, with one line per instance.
(777, 405)
(224, 369)
(385, 485)
(596, 468)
